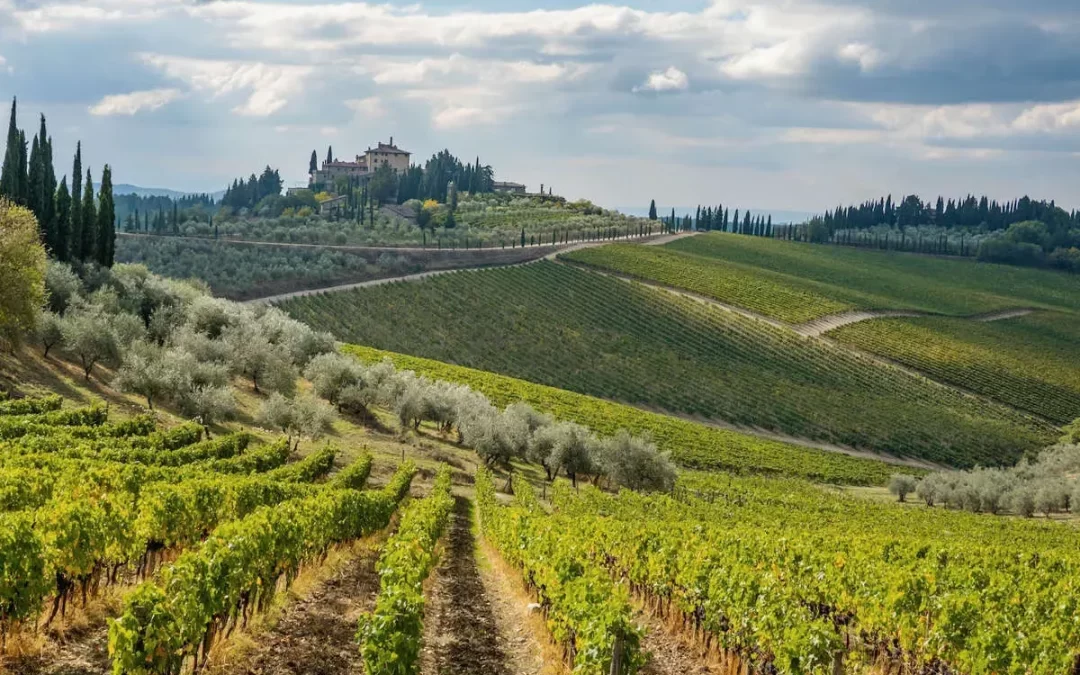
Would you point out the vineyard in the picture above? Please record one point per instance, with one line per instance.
(595, 335)
(779, 576)
(692, 444)
(213, 528)
(772, 294)
(1029, 362)
(881, 280)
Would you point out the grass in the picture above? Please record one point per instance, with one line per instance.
(881, 279)
(573, 329)
(1031, 362)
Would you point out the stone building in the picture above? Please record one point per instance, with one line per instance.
(383, 154)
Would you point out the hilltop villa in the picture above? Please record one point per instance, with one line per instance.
(383, 154)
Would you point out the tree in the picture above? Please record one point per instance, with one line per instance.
(22, 271)
(330, 153)
(63, 221)
(49, 332)
(304, 416)
(901, 485)
(634, 463)
(105, 243)
(13, 172)
(88, 216)
(145, 373)
(382, 186)
(652, 210)
(313, 165)
(75, 222)
(88, 335)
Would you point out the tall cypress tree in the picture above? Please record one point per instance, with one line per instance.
(48, 180)
(106, 220)
(313, 165)
(330, 153)
(89, 221)
(75, 220)
(11, 176)
(35, 193)
(652, 210)
(63, 220)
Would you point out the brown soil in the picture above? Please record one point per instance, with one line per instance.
(77, 644)
(670, 654)
(465, 630)
(316, 635)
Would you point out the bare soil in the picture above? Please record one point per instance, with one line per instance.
(315, 635)
(463, 632)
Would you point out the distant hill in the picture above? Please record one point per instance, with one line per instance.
(127, 189)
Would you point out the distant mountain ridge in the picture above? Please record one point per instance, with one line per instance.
(127, 189)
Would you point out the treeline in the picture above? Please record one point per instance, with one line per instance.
(432, 181)
(246, 194)
(708, 218)
(74, 226)
(139, 213)
(1020, 232)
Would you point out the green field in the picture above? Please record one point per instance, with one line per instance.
(875, 279)
(1031, 362)
(691, 444)
(568, 328)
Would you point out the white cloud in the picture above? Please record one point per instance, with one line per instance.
(129, 104)
(1049, 117)
(371, 107)
(269, 86)
(671, 79)
(457, 116)
(867, 56)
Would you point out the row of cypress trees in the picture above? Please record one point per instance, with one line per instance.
(75, 227)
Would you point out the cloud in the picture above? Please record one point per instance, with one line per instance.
(129, 104)
(268, 86)
(371, 107)
(668, 80)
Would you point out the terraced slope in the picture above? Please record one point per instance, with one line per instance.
(576, 330)
(1031, 362)
(876, 279)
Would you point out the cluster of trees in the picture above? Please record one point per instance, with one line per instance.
(170, 341)
(1046, 484)
(163, 215)
(1022, 232)
(497, 436)
(434, 179)
(74, 225)
(708, 218)
(22, 271)
(246, 194)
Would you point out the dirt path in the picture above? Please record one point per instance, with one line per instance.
(668, 238)
(464, 631)
(824, 324)
(316, 635)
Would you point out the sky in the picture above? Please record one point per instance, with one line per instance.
(780, 104)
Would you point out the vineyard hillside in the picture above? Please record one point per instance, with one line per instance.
(573, 329)
(851, 277)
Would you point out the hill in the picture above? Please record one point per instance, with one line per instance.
(573, 329)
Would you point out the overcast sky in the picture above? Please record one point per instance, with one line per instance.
(784, 104)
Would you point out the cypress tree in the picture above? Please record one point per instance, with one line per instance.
(106, 221)
(75, 221)
(11, 178)
(313, 165)
(88, 211)
(63, 220)
(52, 225)
(35, 183)
(673, 218)
(735, 222)
(330, 153)
(652, 210)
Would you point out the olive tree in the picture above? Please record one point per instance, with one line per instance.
(901, 485)
(208, 403)
(252, 355)
(634, 463)
(146, 373)
(88, 335)
(301, 417)
(563, 446)
(62, 286)
(49, 331)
